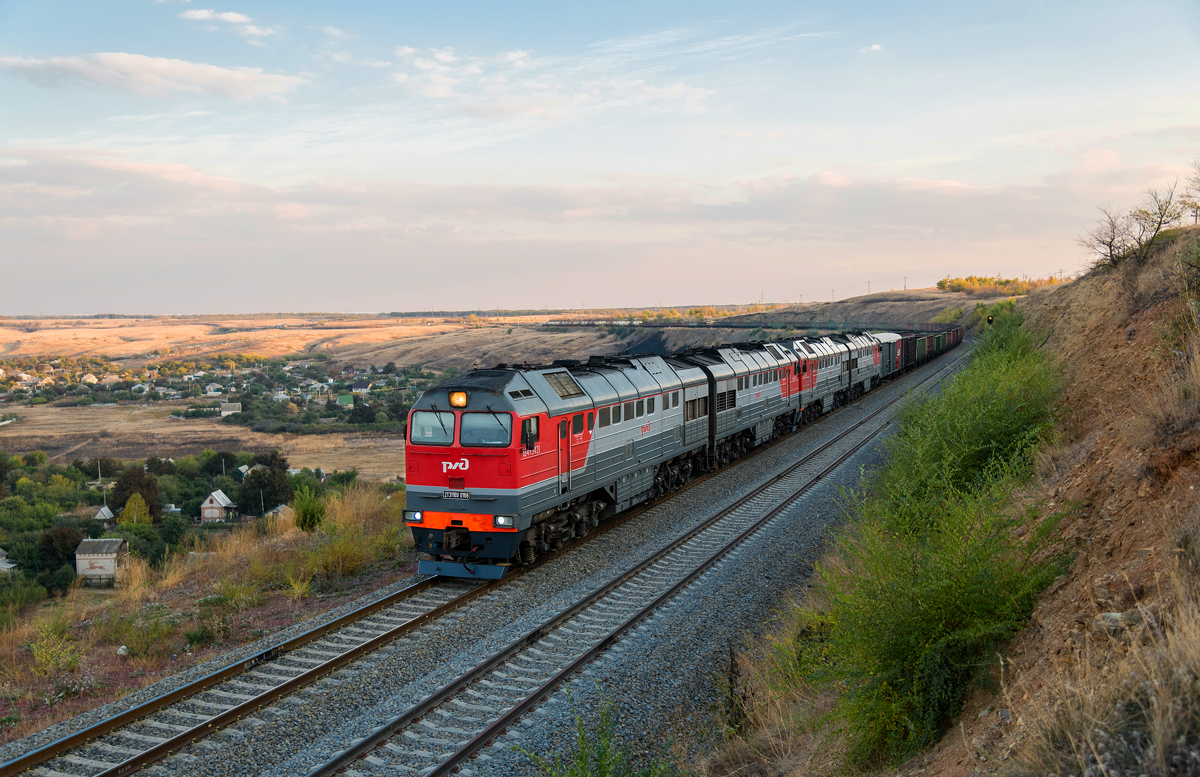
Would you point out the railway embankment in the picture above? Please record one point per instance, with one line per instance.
(1012, 595)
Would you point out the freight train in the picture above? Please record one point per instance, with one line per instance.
(506, 464)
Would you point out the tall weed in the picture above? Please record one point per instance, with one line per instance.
(931, 575)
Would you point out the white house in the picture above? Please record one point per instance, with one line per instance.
(229, 408)
(89, 379)
(217, 507)
(5, 564)
(362, 387)
(105, 516)
(96, 561)
(213, 389)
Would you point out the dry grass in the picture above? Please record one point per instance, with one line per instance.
(1141, 717)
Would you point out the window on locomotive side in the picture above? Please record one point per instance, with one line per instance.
(628, 412)
(591, 421)
(650, 406)
(641, 408)
(616, 414)
(577, 424)
(674, 399)
(605, 417)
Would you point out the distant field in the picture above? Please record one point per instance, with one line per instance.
(131, 432)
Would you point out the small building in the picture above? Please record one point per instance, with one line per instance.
(362, 386)
(96, 561)
(229, 408)
(213, 390)
(171, 509)
(89, 379)
(345, 401)
(218, 507)
(5, 565)
(105, 516)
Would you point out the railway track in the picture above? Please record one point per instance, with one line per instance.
(162, 726)
(439, 734)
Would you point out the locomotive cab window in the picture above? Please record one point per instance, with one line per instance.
(577, 424)
(529, 433)
(432, 428)
(486, 429)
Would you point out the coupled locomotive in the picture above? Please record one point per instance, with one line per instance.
(505, 464)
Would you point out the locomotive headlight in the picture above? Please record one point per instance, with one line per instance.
(458, 399)
(505, 521)
(413, 516)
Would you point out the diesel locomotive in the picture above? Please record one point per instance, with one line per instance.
(505, 464)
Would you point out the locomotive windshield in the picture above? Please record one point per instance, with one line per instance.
(432, 428)
(486, 429)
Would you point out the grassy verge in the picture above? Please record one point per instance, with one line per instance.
(931, 573)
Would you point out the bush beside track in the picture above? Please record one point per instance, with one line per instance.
(931, 573)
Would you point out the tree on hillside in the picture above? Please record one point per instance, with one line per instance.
(135, 511)
(1118, 237)
(265, 488)
(58, 546)
(136, 481)
(221, 463)
(273, 460)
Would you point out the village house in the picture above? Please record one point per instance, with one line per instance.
(218, 507)
(106, 518)
(229, 408)
(213, 390)
(362, 387)
(5, 564)
(2, 374)
(97, 561)
(89, 379)
(345, 401)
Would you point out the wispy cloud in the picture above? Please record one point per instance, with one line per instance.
(197, 14)
(334, 32)
(153, 76)
(872, 47)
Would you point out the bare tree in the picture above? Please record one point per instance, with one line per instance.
(1191, 193)
(1159, 210)
(1116, 238)
(1110, 240)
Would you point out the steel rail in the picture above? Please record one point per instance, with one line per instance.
(413, 714)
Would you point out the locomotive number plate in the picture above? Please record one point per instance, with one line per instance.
(456, 495)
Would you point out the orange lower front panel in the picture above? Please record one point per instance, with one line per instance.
(470, 521)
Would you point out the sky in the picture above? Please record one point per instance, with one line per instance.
(181, 156)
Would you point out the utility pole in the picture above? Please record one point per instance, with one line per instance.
(261, 506)
(906, 283)
(831, 295)
(868, 288)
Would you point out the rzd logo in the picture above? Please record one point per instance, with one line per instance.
(449, 465)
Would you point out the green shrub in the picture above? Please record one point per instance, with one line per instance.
(933, 575)
(598, 753)
(309, 509)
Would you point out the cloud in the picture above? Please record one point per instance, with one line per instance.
(872, 47)
(226, 16)
(404, 51)
(335, 32)
(445, 55)
(257, 32)
(153, 76)
(370, 62)
(341, 56)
